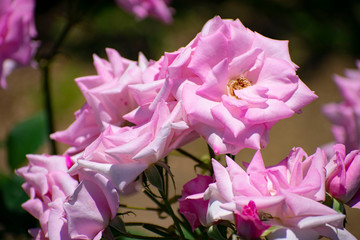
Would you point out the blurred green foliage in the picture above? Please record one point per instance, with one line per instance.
(25, 137)
(319, 27)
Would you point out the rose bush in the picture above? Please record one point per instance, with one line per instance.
(229, 85)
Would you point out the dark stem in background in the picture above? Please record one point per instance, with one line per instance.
(172, 215)
(45, 63)
(212, 156)
(48, 107)
(211, 152)
(166, 207)
(189, 155)
(197, 160)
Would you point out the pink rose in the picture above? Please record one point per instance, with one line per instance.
(65, 208)
(343, 176)
(286, 195)
(91, 207)
(130, 120)
(345, 116)
(157, 9)
(17, 28)
(122, 153)
(195, 209)
(235, 84)
(248, 223)
(108, 100)
(297, 173)
(48, 185)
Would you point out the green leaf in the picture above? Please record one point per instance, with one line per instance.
(12, 193)
(107, 234)
(156, 229)
(338, 206)
(118, 224)
(214, 233)
(155, 178)
(26, 137)
(270, 230)
(166, 167)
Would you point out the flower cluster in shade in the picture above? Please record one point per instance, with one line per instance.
(229, 85)
(287, 197)
(157, 9)
(17, 29)
(345, 116)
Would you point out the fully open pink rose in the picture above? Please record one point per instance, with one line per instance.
(195, 209)
(343, 176)
(17, 28)
(157, 9)
(345, 116)
(235, 84)
(286, 195)
(48, 185)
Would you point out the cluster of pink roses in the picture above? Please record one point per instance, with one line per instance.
(229, 85)
(286, 196)
(345, 116)
(17, 28)
(68, 207)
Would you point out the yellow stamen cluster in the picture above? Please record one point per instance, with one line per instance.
(237, 84)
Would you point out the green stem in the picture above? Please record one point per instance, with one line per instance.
(151, 227)
(139, 208)
(69, 24)
(45, 63)
(48, 106)
(189, 155)
(212, 156)
(172, 215)
(133, 236)
(167, 208)
(187, 225)
(160, 205)
(166, 160)
(211, 152)
(197, 160)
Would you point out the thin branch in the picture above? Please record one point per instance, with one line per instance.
(211, 152)
(140, 208)
(48, 106)
(189, 155)
(173, 216)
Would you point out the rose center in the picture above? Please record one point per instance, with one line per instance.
(237, 84)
